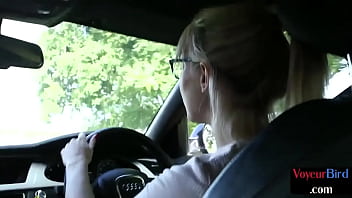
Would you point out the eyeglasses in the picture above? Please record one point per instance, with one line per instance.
(177, 65)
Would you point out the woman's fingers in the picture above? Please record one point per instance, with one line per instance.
(92, 141)
(82, 136)
(78, 150)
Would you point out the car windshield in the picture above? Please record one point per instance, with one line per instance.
(91, 79)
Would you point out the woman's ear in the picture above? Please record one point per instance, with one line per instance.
(204, 76)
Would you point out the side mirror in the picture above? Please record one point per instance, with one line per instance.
(17, 53)
(196, 142)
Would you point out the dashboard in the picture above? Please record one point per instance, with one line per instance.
(28, 170)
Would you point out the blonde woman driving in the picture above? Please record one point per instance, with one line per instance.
(233, 64)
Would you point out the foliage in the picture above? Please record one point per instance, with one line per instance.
(191, 126)
(335, 64)
(121, 80)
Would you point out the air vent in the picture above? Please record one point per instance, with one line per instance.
(151, 164)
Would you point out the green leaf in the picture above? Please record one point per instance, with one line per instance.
(120, 78)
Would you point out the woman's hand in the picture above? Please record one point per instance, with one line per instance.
(78, 151)
(76, 156)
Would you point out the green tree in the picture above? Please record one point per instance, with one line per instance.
(335, 64)
(123, 80)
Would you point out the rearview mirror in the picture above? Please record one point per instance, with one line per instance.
(17, 53)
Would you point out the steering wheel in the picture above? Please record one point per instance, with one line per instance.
(124, 182)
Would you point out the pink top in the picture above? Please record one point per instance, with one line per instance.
(191, 179)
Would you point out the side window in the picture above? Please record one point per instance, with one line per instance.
(200, 139)
(340, 76)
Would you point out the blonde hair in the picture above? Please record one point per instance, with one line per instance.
(308, 74)
(249, 54)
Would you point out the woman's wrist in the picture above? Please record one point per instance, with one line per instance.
(79, 163)
(77, 169)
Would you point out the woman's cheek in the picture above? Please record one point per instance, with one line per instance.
(190, 95)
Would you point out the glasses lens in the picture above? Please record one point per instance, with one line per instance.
(178, 69)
